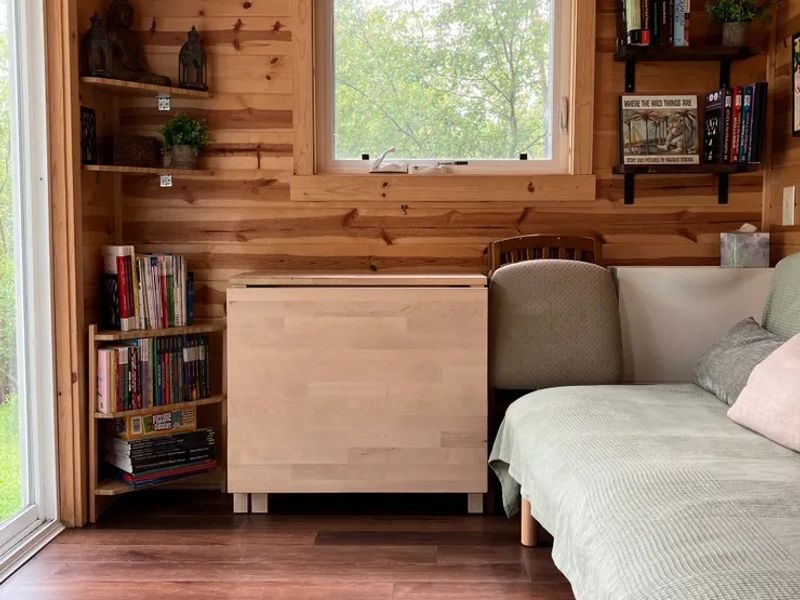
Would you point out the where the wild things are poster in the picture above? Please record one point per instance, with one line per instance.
(659, 130)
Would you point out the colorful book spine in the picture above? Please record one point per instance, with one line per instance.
(714, 126)
(728, 124)
(687, 11)
(679, 23)
(759, 121)
(746, 123)
(633, 22)
(737, 123)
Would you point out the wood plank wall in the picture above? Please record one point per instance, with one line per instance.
(245, 217)
(785, 169)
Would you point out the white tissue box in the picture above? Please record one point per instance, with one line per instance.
(744, 250)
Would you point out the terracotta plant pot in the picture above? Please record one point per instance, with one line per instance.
(735, 34)
(184, 157)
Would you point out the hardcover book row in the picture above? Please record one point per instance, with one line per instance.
(654, 22)
(151, 291)
(149, 372)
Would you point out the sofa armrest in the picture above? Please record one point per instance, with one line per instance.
(671, 315)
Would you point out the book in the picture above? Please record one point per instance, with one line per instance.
(728, 124)
(105, 381)
(658, 130)
(746, 123)
(759, 121)
(117, 261)
(737, 123)
(714, 126)
(679, 23)
(687, 9)
(164, 475)
(633, 23)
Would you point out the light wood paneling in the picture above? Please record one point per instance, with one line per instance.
(254, 215)
(785, 168)
(67, 240)
(357, 389)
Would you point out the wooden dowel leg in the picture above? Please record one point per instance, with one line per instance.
(529, 528)
(241, 503)
(475, 504)
(259, 504)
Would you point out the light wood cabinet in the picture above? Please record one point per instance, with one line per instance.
(356, 383)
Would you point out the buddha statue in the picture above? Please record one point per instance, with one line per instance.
(128, 60)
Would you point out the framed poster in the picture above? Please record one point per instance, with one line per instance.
(796, 84)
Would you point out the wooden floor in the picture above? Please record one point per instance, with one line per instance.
(169, 545)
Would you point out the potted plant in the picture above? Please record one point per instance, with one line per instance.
(736, 16)
(184, 138)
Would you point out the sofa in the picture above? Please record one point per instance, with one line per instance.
(650, 491)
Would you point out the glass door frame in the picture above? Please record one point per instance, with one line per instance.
(37, 522)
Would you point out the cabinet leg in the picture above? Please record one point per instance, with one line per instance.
(259, 503)
(475, 504)
(241, 503)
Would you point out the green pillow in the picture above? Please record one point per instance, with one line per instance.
(725, 368)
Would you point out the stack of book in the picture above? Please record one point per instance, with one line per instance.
(151, 461)
(148, 372)
(150, 291)
(734, 124)
(654, 22)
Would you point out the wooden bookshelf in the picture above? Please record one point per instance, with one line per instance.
(133, 88)
(163, 407)
(119, 169)
(121, 336)
(114, 487)
(101, 489)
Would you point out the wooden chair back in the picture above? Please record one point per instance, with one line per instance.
(532, 247)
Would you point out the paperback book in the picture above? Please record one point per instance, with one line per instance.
(658, 130)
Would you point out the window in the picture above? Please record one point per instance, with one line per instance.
(482, 82)
(27, 429)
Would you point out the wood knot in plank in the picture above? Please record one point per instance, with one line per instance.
(247, 5)
(350, 218)
(386, 238)
(531, 187)
(276, 27)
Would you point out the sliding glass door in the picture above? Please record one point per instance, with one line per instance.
(27, 431)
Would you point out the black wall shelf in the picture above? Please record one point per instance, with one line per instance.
(631, 55)
(721, 170)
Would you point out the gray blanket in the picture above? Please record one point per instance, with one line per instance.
(652, 493)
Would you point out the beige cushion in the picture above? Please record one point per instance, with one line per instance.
(770, 402)
(782, 313)
(553, 323)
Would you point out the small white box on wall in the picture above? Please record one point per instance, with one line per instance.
(744, 249)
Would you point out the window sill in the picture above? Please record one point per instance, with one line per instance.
(379, 187)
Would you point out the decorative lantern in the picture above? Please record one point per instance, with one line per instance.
(96, 50)
(192, 63)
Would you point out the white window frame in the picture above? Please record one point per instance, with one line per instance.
(562, 61)
(37, 523)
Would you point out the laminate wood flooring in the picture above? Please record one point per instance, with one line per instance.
(186, 545)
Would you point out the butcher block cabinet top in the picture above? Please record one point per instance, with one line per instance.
(357, 279)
